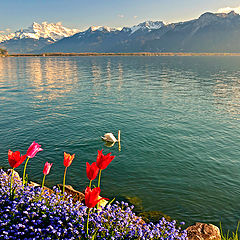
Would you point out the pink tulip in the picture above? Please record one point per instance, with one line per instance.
(46, 171)
(47, 168)
(33, 149)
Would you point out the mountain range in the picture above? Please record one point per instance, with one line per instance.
(35, 37)
(211, 32)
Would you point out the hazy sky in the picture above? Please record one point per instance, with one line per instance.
(16, 14)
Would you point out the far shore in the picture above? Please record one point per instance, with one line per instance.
(120, 54)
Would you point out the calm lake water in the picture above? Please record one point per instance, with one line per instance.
(179, 119)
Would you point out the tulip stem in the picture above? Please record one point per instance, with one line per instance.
(90, 183)
(99, 177)
(88, 219)
(64, 179)
(43, 183)
(11, 181)
(24, 172)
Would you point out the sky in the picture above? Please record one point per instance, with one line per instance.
(81, 14)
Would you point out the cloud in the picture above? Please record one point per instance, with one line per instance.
(121, 15)
(7, 29)
(135, 17)
(229, 9)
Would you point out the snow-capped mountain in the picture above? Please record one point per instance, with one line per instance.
(211, 32)
(6, 37)
(35, 37)
(97, 29)
(148, 25)
(52, 31)
(103, 28)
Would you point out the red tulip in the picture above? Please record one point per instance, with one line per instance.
(104, 160)
(68, 159)
(15, 159)
(92, 171)
(33, 149)
(47, 168)
(92, 197)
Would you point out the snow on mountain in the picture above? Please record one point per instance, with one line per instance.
(148, 25)
(6, 37)
(103, 28)
(211, 32)
(99, 29)
(53, 31)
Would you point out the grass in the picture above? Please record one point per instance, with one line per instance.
(228, 235)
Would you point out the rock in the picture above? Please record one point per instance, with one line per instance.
(203, 231)
(79, 196)
(153, 216)
(76, 195)
(136, 201)
(33, 184)
(102, 203)
(16, 176)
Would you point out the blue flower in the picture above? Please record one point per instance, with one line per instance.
(29, 216)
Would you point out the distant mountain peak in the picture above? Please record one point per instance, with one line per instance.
(53, 31)
(147, 25)
(211, 32)
(103, 28)
(209, 15)
(231, 14)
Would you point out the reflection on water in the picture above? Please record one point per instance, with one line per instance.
(108, 83)
(52, 78)
(120, 76)
(96, 73)
(6, 68)
(109, 144)
(179, 118)
(227, 93)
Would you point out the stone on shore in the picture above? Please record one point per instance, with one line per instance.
(79, 196)
(16, 176)
(203, 231)
(33, 184)
(76, 195)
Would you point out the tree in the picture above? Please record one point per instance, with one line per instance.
(3, 51)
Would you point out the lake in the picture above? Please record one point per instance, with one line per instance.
(179, 119)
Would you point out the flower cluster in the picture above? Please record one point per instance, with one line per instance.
(31, 215)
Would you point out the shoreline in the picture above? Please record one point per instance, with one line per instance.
(43, 197)
(119, 54)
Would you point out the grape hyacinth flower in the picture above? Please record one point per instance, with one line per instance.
(32, 217)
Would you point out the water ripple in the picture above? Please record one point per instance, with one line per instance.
(179, 119)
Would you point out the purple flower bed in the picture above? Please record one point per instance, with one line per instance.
(30, 216)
